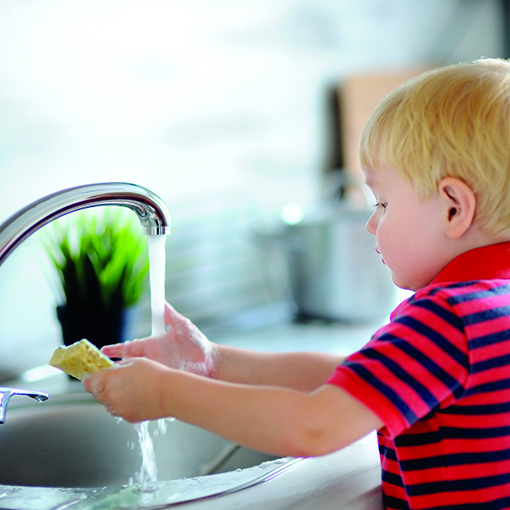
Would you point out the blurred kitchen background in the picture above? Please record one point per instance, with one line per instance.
(231, 111)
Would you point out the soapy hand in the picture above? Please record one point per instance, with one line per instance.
(183, 346)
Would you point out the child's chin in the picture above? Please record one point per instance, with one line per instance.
(401, 284)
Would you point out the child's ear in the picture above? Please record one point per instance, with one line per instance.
(459, 203)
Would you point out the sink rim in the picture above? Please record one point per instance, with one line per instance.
(88, 498)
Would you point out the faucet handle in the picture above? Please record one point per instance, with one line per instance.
(7, 393)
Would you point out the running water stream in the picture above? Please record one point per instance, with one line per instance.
(157, 262)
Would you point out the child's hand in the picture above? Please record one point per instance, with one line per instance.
(130, 390)
(183, 346)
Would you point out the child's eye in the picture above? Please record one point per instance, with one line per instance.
(381, 205)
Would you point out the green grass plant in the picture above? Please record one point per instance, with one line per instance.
(100, 257)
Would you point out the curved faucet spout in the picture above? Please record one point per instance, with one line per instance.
(152, 211)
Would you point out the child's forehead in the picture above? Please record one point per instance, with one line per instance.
(369, 180)
(372, 176)
(382, 179)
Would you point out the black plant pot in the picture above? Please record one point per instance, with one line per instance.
(100, 327)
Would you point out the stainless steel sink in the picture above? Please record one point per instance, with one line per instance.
(71, 441)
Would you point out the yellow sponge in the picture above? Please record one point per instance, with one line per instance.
(79, 359)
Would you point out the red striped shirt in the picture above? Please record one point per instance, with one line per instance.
(438, 376)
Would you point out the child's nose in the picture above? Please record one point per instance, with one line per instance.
(371, 224)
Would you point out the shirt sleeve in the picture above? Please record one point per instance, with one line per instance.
(414, 365)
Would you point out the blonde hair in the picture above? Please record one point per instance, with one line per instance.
(450, 122)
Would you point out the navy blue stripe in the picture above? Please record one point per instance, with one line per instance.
(392, 478)
(421, 464)
(424, 438)
(396, 369)
(391, 395)
(441, 311)
(445, 487)
(437, 338)
(478, 410)
(474, 433)
(498, 504)
(503, 384)
(418, 439)
(431, 366)
(457, 459)
(489, 364)
(490, 339)
(450, 433)
(454, 285)
(388, 453)
(398, 504)
(470, 484)
(486, 315)
(499, 290)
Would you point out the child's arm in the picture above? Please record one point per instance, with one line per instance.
(303, 371)
(278, 420)
(184, 346)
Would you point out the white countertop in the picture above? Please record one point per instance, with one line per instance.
(347, 479)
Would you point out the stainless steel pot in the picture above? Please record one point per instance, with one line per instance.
(334, 271)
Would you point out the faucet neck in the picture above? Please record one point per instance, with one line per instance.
(151, 210)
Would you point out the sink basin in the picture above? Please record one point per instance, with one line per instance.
(71, 441)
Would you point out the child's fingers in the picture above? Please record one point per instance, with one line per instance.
(93, 383)
(113, 351)
(172, 316)
(131, 349)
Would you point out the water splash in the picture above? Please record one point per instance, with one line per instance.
(162, 426)
(149, 469)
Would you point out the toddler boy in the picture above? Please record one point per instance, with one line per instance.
(435, 381)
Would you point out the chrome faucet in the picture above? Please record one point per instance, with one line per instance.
(151, 210)
(7, 393)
